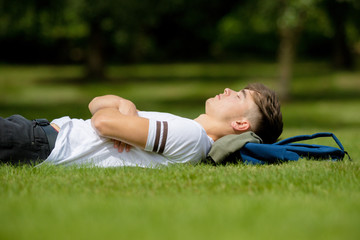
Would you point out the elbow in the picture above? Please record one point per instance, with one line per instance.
(99, 123)
(92, 104)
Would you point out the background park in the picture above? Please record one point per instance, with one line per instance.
(172, 55)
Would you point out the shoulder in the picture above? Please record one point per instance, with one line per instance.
(178, 138)
(188, 141)
(158, 115)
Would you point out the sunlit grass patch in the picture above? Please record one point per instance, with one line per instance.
(307, 199)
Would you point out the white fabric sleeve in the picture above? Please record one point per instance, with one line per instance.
(157, 136)
(150, 139)
(177, 139)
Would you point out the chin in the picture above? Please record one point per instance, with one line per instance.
(209, 109)
(207, 102)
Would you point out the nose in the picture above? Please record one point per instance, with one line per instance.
(227, 91)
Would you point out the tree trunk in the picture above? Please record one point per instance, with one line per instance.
(95, 62)
(287, 49)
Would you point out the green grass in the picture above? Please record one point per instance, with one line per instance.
(302, 200)
(317, 200)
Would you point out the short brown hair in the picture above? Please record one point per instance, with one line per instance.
(270, 125)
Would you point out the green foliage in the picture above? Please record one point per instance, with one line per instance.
(158, 30)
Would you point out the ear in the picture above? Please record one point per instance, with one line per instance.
(241, 125)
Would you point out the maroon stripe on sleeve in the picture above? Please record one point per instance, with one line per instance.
(164, 137)
(157, 136)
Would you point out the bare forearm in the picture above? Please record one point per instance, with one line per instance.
(110, 123)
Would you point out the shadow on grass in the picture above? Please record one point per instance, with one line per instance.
(139, 80)
(307, 121)
(49, 111)
(191, 107)
(317, 90)
(329, 95)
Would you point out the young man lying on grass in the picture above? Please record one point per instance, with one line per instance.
(120, 135)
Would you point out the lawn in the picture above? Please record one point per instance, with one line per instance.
(302, 200)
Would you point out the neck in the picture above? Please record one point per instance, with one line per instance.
(214, 128)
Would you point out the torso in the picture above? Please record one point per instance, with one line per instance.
(78, 143)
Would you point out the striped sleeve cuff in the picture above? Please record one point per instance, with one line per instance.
(158, 133)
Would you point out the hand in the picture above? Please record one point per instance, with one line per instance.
(128, 108)
(124, 106)
(121, 146)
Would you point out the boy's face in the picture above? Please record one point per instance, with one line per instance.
(231, 105)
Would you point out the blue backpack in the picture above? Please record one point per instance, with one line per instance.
(288, 150)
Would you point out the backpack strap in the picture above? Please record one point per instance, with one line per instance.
(308, 137)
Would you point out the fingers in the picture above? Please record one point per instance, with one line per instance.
(127, 147)
(121, 146)
(116, 143)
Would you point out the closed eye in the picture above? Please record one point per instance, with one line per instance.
(241, 94)
(244, 93)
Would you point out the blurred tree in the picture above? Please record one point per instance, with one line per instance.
(243, 34)
(291, 18)
(339, 12)
(245, 31)
(36, 22)
(175, 28)
(96, 32)
(187, 28)
(105, 18)
(21, 23)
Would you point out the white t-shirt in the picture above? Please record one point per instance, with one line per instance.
(171, 139)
